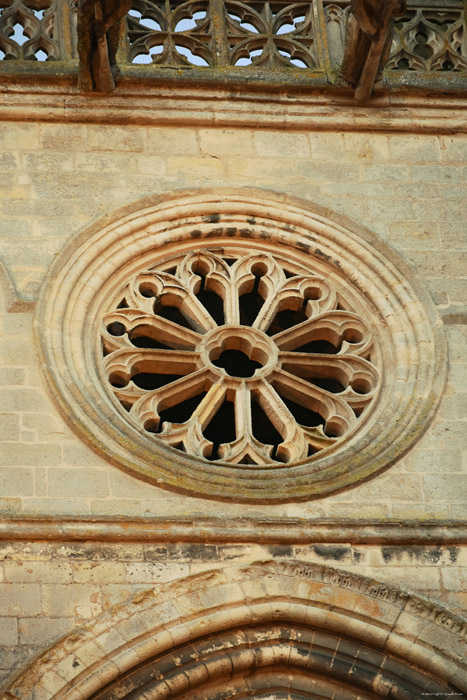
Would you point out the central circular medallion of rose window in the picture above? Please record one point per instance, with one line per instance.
(239, 358)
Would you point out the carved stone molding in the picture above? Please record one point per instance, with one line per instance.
(228, 530)
(404, 642)
(390, 368)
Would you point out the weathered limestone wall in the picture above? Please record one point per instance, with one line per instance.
(56, 178)
(410, 189)
(49, 589)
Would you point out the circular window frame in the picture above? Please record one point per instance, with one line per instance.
(98, 260)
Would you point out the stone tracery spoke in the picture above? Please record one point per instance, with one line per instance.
(305, 296)
(132, 324)
(338, 416)
(167, 291)
(128, 362)
(356, 376)
(344, 331)
(147, 409)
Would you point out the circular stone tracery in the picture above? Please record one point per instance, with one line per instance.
(238, 359)
(374, 329)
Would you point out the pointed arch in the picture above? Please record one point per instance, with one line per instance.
(243, 631)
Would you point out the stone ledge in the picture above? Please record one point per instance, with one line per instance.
(162, 102)
(223, 530)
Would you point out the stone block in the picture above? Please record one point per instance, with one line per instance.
(415, 148)
(450, 488)
(151, 165)
(327, 171)
(33, 630)
(170, 141)
(438, 209)
(41, 455)
(391, 209)
(207, 166)
(9, 426)
(366, 147)
(458, 376)
(155, 572)
(50, 428)
(386, 173)
(38, 572)
(418, 235)
(72, 186)
(15, 136)
(121, 507)
(283, 144)
(434, 461)
(79, 600)
(8, 632)
(454, 149)
(400, 487)
(78, 483)
(124, 486)
(77, 453)
(93, 161)
(99, 572)
(430, 172)
(10, 506)
(15, 481)
(16, 228)
(21, 600)
(55, 506)
(48, 160)
(454, 235)
(226, 142)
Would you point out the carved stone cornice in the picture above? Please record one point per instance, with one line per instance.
(29, 98)
(231, 530)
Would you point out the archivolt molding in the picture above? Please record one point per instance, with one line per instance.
(262, 620)
(99, 265)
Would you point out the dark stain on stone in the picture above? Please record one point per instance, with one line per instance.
(247, 232)
(251, 220)
(453, 554)
(322, 255)
(387, 553)
(335, 552)
(75, 663)
(198, 551)
(196, 233)
(426, 554)
(155, 552)
(304, 246)
(212, 218)
(215, 232)
(357, 555)
(231, 231)
(279, 550)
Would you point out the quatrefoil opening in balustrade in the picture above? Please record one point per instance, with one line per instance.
(238, 359)
(240, 345)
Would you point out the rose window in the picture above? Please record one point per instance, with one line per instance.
(240, 345)
(242, 359)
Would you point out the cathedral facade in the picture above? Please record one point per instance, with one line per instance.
(232, 267)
